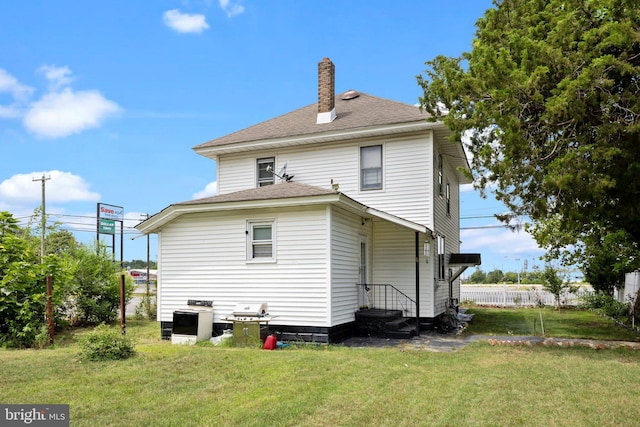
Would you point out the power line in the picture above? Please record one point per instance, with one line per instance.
(482, 227)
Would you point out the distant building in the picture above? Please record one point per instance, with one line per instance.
(139, 276)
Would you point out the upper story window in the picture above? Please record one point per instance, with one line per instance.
(371, 167)
(440, 175)
(260, 242)
(448, 198)
(265, 171)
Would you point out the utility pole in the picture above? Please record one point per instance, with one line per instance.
(43, 221)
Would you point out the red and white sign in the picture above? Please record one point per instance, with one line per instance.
(115, 213)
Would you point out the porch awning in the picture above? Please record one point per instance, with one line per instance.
(464, 260)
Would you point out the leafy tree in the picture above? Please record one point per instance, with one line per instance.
(555, 285)
(510, 276)
(495, 276)
(60, 241)
(600, 267)
(138, 263)
(22, 290)
(549, 99)
(478, 276)
(8, 225)
(84, 282)
(532, 277)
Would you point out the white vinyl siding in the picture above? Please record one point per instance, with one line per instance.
(203, 257)
(406, 172)
(347, 231)
(447, 225)
(394, 263)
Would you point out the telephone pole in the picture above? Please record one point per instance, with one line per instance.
(43, 212)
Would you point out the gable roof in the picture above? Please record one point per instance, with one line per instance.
(269, 192)
(271, 196)
(359, 117)
(363, 111)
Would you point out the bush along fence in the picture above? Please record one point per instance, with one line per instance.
(518, 296)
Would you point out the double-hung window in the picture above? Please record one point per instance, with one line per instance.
(440, 175)
(441, 258)
(371, 167)
(448, 198)
(265, 171)
(260, 241)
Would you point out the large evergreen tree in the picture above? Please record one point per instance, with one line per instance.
(549, 98)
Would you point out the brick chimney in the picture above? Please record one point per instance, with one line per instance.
(326, 91)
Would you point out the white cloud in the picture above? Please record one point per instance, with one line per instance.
(466, 187)
(61, 111)
(210, 190)
(58, 76)
(500, 241)
(131, 219)
(230, 8)
(185, 22)
(61, 187)
(60, 114)
(10, 84)
(10, 111)
(19, 93)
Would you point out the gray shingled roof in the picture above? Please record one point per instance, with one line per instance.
(270, 192)
(361, 112)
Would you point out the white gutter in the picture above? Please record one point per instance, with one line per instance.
(214, 151)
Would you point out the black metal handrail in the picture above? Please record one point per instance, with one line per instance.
(385, 297)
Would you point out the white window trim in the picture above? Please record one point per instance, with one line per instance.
(448, 198)
(440, 175)
(273, 177)
(249, 233)
(441, 257)
(382, 168)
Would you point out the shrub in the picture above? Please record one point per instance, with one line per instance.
(106, 343)
(606, 304)
(148, 308)
(96, 294)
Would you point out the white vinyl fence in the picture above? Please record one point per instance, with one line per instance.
(513, 295)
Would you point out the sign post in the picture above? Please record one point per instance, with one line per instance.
(107, 215)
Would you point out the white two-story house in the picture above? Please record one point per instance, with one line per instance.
(348, 205)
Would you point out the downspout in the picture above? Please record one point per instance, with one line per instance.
(417, 284)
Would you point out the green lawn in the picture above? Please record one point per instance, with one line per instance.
(565, 323)
(480, 385)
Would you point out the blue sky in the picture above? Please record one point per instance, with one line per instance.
(108, 98)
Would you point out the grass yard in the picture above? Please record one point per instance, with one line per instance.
(480, 385)
(565, 323)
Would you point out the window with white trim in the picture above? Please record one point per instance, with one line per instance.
(265, 171)
(440, 175)
(260, 241)
(371, 167)
(441, 258)
(448, 198)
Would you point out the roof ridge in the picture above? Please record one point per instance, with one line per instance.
(362, 111)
